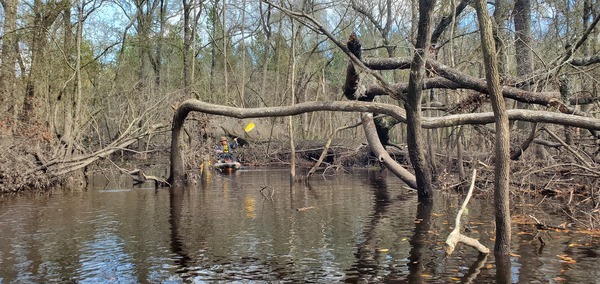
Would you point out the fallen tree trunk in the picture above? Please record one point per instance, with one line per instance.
(382, 155)
(177, 168)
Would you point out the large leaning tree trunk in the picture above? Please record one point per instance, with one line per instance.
(502, 146)
(353, 91)
(177, 170)
(416, 144)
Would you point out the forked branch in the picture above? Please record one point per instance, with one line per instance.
(455, 236)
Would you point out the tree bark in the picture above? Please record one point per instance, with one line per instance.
(177, 170)
(523, 39)
(265, 21)
(501, 12)
(502, 144)
(416, 145)
(524, 60)
(8, 59)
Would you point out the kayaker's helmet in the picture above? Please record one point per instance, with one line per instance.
(223, 138)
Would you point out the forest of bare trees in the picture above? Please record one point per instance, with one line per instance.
(507, 86)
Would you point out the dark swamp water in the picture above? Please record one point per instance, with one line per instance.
(363, 227)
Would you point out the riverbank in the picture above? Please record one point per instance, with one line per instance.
(20, 161)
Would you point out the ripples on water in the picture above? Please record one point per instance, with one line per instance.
(363, 227)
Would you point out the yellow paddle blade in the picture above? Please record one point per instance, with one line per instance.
(249, 127)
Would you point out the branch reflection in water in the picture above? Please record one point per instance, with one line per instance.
(370, 257)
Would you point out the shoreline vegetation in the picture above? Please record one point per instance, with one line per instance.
(561, 180)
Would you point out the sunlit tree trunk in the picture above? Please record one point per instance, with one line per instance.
(66, 98)
(502, 144)
(292, 86)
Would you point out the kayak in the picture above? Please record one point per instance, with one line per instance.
(229, 167)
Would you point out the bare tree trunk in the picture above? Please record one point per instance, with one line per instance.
(8, 60)
(74, 122)
(157, 63)
(501, 12)
(190, 21)
(502, 148)
(292, 86)
(44, 17)
(414, 13)
(224, 27)
(523, 40)
(197, 12)
(187, 46)
(265, 20)
(213, 50)
(459, 154)
(67, 97)
(243, 48)
(524, 59)
(177, 174)
(416, 144)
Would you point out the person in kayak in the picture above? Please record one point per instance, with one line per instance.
(225, 150)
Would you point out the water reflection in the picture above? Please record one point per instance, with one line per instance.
(363, 227)
(367, 254)
(503, 269)
(182, 260)
(419, 243)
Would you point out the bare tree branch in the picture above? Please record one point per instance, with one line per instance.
(394, 111)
